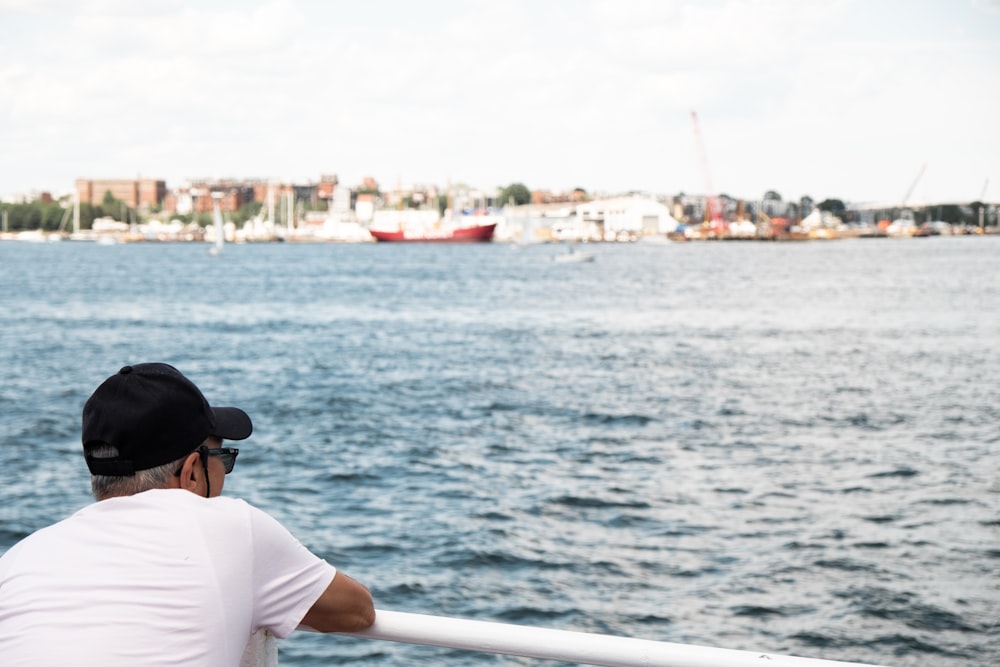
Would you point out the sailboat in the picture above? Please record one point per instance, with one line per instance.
(220, 233)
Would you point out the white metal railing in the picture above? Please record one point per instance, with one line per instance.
(542, 643)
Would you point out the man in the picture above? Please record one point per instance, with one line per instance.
(161, 570)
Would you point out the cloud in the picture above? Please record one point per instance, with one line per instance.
(988, 6)
(798, 97)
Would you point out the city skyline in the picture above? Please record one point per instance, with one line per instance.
(843, 99)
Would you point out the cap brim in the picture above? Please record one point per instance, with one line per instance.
(232, 424)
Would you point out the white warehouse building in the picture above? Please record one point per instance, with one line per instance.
(626, 218)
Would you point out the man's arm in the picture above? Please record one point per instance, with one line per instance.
(345, 606)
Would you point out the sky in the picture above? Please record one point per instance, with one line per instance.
(859, 100)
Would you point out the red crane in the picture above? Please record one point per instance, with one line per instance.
(713, 207)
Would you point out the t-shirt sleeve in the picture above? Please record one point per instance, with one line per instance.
(287, 577)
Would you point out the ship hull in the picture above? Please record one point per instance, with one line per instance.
(477, 234)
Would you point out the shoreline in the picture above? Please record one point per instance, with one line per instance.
(688, 236)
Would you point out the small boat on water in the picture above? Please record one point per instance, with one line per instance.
(481, 233)
(573, 256)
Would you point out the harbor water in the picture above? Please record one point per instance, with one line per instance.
(785, 447)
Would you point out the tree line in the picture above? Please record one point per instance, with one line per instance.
(57, 216)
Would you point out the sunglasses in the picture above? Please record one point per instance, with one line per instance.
(226, 454)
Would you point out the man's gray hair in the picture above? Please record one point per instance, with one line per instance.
(108, 486)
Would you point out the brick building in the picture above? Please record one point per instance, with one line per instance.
(234, 194)
(141, 192)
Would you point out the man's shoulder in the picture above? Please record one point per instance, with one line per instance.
(174, 497)
(188, 500)
(158, 505)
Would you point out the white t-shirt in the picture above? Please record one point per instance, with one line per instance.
(163, 577)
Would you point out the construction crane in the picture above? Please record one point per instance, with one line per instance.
(913, 186)
(713, 207)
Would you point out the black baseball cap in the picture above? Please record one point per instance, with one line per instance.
(153, 415)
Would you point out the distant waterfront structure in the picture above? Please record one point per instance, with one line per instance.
(326, 209)
(626, 218)
(27, 197)
(364, 207)
(340, 201)
(136, 193)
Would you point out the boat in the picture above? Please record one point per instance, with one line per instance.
(573, 256)
(903, 226)
(220, 232)
(37, 236)
(479, 233)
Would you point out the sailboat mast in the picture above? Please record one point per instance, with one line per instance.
(219, 229)
(270, 205)
(76, 211)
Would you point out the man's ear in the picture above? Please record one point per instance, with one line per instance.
(191, 472)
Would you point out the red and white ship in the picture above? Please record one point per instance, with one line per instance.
(479, 233)
(419, 226)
